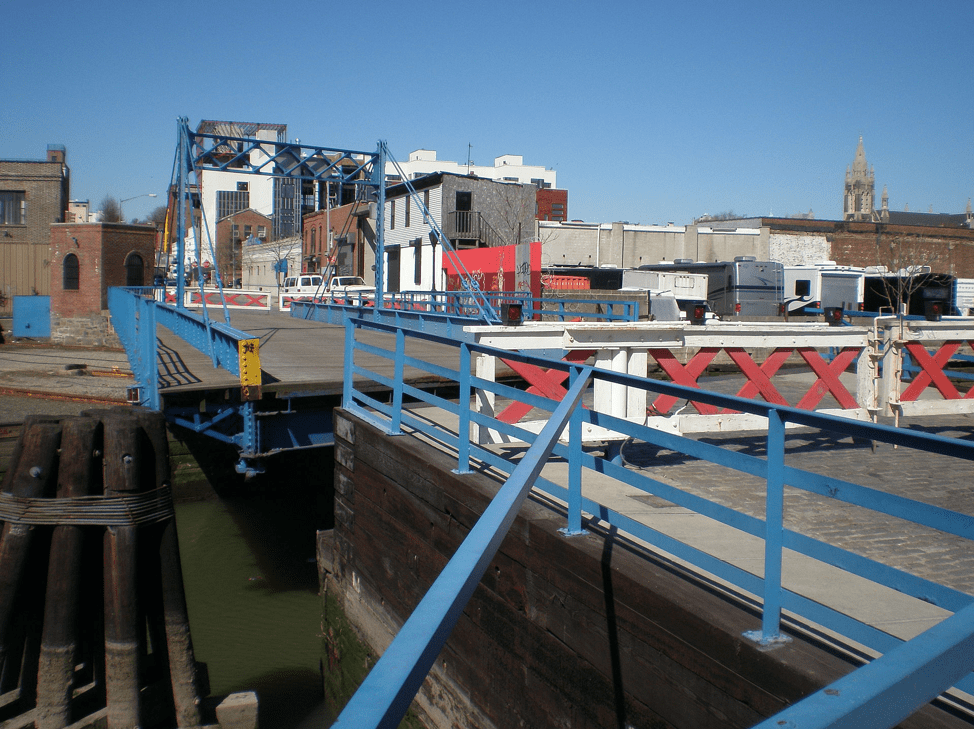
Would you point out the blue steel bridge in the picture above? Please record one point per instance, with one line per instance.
(437, 366)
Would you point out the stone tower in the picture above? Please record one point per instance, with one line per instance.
(860, 188)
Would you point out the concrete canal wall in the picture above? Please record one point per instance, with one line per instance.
(580, 632)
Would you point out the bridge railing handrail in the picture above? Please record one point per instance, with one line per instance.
(393, 418)
(462, 303)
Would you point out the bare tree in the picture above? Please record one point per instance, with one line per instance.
(910, 263)
(516, 208)
(158, 215)
(111, 210)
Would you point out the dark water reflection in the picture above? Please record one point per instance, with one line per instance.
(252, 592)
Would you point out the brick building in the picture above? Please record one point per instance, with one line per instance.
(85, 260)
(33, 194)
(231, 232)
(352, 228)
(552, 205)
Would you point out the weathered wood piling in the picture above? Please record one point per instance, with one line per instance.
(93, 620)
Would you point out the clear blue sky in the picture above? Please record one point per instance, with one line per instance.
(649, 111)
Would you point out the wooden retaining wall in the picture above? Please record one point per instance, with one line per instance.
(562, 632)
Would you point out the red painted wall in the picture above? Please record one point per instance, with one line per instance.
(503, 268)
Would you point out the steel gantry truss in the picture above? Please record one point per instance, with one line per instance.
(136, 312)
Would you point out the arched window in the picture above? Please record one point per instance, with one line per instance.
(134, 270)
(312, 249)
(71, 273)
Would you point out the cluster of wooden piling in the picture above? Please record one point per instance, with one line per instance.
(93, 621)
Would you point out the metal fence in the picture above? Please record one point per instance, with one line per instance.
(924, 666)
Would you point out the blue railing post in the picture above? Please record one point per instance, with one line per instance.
(349, 366)
(463, 410)
(397, 386)
(773, 532)
(574, 527)
(146, 342)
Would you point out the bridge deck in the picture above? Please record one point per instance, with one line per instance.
(295, 356)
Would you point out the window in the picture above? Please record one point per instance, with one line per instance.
(311, 249)
(392, 215)
(248, 231)
(243, 187)
(406, 206)
(426, 204)
(71, 273)
(235, 233)
(229, 202)
(417, 261)
(134, 270)
(13, 208)
(803, 287)
(262, 232)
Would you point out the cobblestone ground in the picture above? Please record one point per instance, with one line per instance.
(928, 478)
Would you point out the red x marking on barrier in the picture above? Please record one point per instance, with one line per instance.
(683, 375)
(759, 377)
(933, 372)
(546, 383)
(828, 378)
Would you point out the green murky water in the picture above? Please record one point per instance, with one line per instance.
(252, 592)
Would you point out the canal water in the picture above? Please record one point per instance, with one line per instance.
(251, 582)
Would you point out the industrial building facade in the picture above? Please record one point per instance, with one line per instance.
(33, 194)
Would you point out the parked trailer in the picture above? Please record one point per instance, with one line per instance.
(843, 287)
(923, 293)
(802, 288)
(963, 297)
(684, 286)
(743, 287)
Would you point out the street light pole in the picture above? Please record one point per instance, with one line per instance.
(145, 194)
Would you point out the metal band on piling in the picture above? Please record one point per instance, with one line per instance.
(148, 507)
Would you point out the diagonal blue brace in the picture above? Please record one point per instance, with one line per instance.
(384, 696)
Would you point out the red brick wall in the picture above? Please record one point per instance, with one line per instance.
(340, 223)
(102, 249)
(945, 250)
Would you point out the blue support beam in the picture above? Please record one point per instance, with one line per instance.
(892, 687)
(384, 696)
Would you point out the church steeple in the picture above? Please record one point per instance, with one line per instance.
(860, 188)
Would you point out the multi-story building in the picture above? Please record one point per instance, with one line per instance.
(231, 233)
(225, 193)
(508, 167)
(33, 194)
(79, 211)
(339, 241)
(472, 212)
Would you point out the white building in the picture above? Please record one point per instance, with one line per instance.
(262, 270)
(508, 167)
(225, 193)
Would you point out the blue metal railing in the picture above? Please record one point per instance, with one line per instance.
(462, 304)
(391, 417)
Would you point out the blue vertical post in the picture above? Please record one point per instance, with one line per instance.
(574, 527)
(379, 180)
(145, 313)
(349, 363)
(182, 164)
(773, 530)
(463, 410)
(397, 385)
